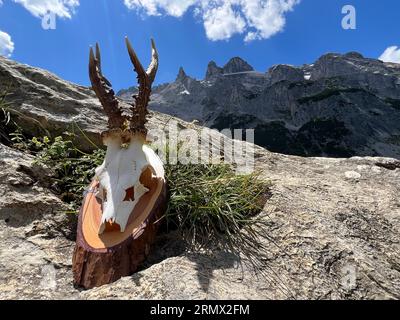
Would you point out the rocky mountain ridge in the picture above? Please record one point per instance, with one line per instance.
(343, 105)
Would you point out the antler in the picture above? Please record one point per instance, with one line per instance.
(104, 92)
(106, 95)
(145, 80)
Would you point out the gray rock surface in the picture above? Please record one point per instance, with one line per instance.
(285, 73)
(326, 218)
(213, 70)
(325, 223)
(334, 224)
(42, 103)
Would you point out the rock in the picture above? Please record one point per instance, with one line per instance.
(354, 55)
(352, 175)
(233, 66)
(35, 233)
(26, 201)
(44, 104)
(181, 75)
(356, 71)
(236, 65)
(333, 228)
(126, 94)
(213, 70)
(331, 238)
(285, 73)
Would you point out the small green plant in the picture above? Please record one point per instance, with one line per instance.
(5, 116)
(73, 169)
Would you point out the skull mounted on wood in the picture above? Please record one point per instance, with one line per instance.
(119, 217)
(127, 157)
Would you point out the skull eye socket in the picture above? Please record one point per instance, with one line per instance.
(101, 194)
(130, 194)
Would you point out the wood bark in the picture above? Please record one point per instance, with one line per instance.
(96, 267)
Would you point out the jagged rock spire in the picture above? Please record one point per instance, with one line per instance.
(213, 70)
(234, 65)
(181, 75)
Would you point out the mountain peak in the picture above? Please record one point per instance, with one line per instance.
(181, 75)
(213, 70)
(234, 65)
(237, 64)
(354, 55)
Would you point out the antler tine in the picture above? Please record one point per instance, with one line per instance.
(141, 100)
(153, 67)
(135, 60)
(98, 57)
(104, 91)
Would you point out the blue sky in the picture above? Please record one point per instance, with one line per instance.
(190, 33)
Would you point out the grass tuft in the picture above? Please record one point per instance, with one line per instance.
(211, 204)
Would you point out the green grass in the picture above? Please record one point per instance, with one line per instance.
(212, 205)
(5, 116)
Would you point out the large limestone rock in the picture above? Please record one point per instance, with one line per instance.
(331, 221)
(333, 224)
(35, 232)
(42, 103)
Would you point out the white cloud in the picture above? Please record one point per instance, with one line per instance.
(6, 44)
(256, 19)
(175, 8)
(62, 8)
(222, 22)
(266, 18)
(391, 54)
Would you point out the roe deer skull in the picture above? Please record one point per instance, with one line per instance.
(127, 157)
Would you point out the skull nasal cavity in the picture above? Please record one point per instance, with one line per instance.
(130, 194)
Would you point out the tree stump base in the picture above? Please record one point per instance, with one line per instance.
(101, 259)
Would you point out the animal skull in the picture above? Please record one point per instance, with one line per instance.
(127, 157)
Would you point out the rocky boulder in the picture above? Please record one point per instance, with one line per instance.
(42, 103)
